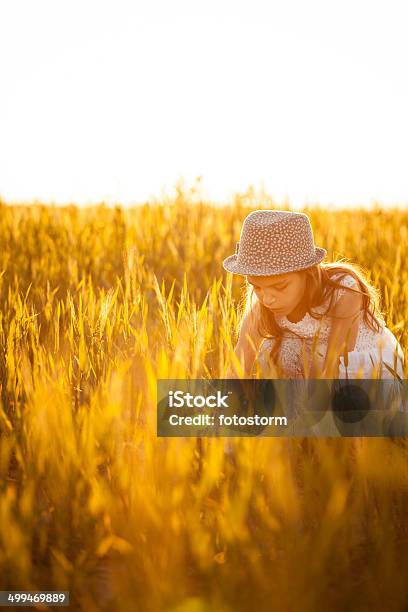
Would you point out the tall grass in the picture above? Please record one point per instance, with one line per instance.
(95, 306)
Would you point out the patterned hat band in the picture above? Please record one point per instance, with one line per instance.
(274, 242)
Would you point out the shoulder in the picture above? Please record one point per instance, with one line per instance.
(347, 302)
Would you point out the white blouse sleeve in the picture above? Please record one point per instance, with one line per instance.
(346, 281)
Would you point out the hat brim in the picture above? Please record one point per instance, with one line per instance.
(231, 265)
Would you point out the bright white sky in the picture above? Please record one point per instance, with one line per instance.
(118, 100)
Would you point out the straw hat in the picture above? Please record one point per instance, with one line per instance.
(274, 242)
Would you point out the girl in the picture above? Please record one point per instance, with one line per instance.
(307, 319)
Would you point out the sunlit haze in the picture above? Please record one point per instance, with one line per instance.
(117, 101)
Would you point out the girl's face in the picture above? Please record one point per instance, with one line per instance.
(281, 293)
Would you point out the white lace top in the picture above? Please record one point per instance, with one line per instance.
(373, 351)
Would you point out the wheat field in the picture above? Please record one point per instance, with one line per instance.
(96, 305)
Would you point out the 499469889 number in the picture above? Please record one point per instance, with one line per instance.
(32, 598)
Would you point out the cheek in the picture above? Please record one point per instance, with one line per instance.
(293, 296)
(298, 294)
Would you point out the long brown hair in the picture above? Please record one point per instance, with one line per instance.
(320, 287)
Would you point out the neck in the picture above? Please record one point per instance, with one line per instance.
(297, 313)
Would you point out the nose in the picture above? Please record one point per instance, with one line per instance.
(270, 302)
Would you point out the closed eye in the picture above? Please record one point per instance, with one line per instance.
(276, 286)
